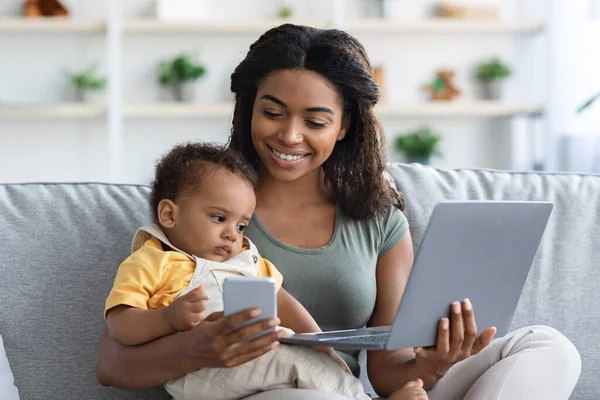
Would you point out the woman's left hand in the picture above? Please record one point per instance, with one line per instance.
(457, 340)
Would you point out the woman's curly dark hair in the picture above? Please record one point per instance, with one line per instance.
(354, 171)
(180, 171)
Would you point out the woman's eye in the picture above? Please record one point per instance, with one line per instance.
(218, 218)
(315, 124)
(272, 115)
(241, 228)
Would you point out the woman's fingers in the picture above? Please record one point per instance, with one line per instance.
(457, 328)
(470, 326)
(248, 332)
(240, 348)
(230, 324)
(483, 340)
(249, 355)
(443, 339)
(214, 316)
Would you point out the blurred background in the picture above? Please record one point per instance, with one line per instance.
(96, 91)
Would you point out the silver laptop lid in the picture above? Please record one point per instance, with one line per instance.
(478, 250)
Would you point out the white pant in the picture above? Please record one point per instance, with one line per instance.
(531, 363)
(284, 367)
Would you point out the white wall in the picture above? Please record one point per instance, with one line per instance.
(575, 60)
(49, 150)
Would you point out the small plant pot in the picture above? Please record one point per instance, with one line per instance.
(418, 160)
(184, 91)
(89, 97)
(491, 90)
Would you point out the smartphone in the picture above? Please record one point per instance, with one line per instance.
(241, 293)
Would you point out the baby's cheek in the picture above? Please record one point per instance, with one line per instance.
(238, 249)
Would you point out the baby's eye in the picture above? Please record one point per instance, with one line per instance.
(218, 218)
(241, 228)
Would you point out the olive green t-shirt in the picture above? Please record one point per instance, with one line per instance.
(336, 283)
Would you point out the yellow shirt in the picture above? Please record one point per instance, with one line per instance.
(152, 278)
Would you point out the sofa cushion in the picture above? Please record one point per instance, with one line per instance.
(62, 245)
(563, 286)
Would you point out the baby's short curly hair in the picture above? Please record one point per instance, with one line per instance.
(180, 171)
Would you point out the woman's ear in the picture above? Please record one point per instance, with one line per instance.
(344, 128)
(167, 212)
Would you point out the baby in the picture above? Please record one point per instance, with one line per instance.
(202, 199)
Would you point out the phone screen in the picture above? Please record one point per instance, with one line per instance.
(241, 293)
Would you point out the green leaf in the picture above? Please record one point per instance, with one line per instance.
(588, 102)
(87, 80)
(181, 68)
(285, 12)
(421, 143)
(492, 69)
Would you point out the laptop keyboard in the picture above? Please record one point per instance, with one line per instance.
(371, 339)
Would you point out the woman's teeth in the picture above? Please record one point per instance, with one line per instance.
(287, 157)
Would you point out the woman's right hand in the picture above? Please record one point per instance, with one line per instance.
(217, 343)
(457, 340)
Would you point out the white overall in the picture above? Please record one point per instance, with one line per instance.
(209, 274)
(284, 367)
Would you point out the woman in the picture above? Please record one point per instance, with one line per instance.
(331, 223)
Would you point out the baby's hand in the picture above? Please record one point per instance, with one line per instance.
(186, 311)
(332, 353)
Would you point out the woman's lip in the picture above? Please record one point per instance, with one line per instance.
(286, 163)
(288, 151)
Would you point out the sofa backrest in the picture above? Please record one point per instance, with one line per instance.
(61, 247)
(563, 286)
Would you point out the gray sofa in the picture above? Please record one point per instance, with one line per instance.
(61, 245)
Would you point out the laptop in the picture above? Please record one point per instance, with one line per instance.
(481, 250)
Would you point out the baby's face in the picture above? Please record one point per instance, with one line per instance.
(211, 222)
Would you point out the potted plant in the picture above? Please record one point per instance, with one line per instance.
(86, 82)
(179, 74)
(285, 12)
(418, 146)
(491, 73)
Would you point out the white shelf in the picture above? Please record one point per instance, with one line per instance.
(434, 26)
(58, 111)
(154, 26)
(171, 110)
(475, 109)
(444, 26)
(50, 25)
(481, 109)
(459, 109)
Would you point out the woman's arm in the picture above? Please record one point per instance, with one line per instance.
(293, 315)
(143, 366)
(213, 343)
(390, 370)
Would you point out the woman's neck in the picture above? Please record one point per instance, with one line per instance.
(308, 190)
